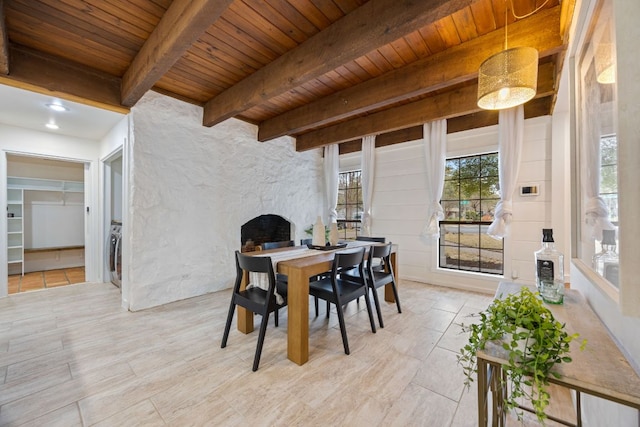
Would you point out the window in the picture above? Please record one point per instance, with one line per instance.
(609, 175)
(470, 195)
(349, 205)
(597, 133)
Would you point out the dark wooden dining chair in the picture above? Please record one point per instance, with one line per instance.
(378, 266)
(371, 239)
(255, 299)
(305, 242)
(283, 278)
(375, 278)
(276, 245)
(337, 291)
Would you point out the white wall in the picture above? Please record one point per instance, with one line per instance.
(193, 187)
(399, 207)
(115, 138)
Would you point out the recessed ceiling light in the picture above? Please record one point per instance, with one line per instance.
(57, 107)
(51, 125)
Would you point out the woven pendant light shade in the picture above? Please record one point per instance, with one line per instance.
(604, 57)
(508, 78)
(605, 68)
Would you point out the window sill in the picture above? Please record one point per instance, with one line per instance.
(465, 273)
(597, 281)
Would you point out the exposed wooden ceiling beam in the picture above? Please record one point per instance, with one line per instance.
(454, 103)
(455, 65)
(179, 28)
(568, 8)
(4, 42)
(534, 108)
(55, 76)
(373, 24)
(384, 139)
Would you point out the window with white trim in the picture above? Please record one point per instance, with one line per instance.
(609, 175)
(349, 205)
(471, 192)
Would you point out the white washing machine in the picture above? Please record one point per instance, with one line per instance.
(115, 253)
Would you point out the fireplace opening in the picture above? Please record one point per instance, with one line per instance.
(264, 228)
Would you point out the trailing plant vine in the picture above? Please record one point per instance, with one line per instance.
(534, 342)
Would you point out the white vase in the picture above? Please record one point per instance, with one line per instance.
(318, 233)
(333, 234)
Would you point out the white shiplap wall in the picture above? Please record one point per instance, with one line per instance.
(399, 207)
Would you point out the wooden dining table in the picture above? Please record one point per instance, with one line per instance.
(299, 270)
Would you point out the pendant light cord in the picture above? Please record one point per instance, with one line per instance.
(506, 9)
(513, 10)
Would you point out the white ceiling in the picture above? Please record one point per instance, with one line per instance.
(19, 107)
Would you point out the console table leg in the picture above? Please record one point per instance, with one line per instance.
(483, 389)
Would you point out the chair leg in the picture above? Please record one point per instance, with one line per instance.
(227, 326)
(370, 312)
(395, 295)
(315, 303)
(376, 301)
(343, 329)
(276, 318)
(263, 330)
(328, 309)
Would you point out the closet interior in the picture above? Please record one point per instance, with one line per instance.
(45, 223)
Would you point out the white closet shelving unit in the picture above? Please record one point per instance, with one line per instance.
(15, 227)
(45, 184)
(16, 186)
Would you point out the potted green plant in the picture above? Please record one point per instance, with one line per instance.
(533, 340)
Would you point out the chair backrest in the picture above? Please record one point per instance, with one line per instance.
(371, 239)
(348, 260)
(276, 245)
(381, 253)
(255, 264)
(304, 242)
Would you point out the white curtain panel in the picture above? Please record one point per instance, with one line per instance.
(510, 136)
(368, 164)
(331, 171)
(596, 214)
(435, 151)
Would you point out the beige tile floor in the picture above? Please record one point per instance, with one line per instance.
(70, 356)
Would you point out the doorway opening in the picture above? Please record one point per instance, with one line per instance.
(45, 223)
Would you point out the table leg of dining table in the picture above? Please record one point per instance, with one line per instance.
(388, 289)
(298, 317)
(245, 317)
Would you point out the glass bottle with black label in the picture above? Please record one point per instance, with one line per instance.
(550, 269)
(606, 261)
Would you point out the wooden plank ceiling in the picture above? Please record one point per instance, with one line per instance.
(322, 71)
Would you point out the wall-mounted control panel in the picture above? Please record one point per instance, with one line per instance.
(529, 190)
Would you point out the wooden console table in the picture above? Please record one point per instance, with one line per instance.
(599, 370)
